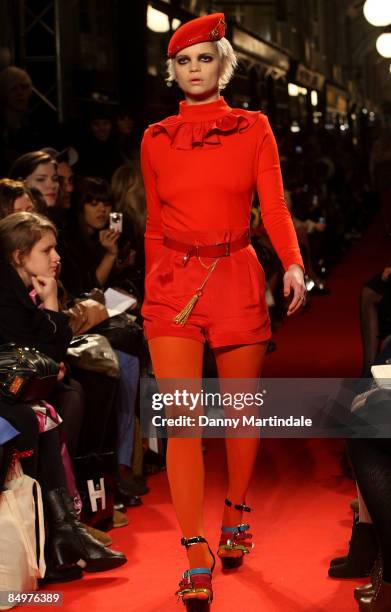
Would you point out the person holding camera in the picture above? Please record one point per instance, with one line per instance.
(89, 247)
(89, 259)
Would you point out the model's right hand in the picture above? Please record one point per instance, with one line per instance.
(45, 286)
(294, 281)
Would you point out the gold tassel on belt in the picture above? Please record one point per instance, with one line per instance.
(184, 314)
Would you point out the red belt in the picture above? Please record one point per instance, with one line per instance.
(222, 249)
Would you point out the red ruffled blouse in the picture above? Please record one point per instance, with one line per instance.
(201, 168)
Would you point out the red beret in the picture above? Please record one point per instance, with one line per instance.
(202, 29)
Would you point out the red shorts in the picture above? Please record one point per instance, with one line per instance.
(232, 309)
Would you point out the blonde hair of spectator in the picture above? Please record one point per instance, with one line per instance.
(20, 232)
(9, 192)
(227, 57)
(128, 193)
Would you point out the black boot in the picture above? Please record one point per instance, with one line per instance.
(340, 560)
(69, 541)
(354, 507)
(54, 573)
(61, 574)
(363, 549)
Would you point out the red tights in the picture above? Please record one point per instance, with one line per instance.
(174, 357)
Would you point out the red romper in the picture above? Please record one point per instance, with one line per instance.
(200, 171)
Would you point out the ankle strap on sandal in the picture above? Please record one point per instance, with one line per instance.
(238, 529)
(195, 540)
(195, 571)
(187, 542)
(241, 507)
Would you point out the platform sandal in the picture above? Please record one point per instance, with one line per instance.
(234, 538)
(195, 588)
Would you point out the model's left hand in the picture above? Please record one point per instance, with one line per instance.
(294, 281)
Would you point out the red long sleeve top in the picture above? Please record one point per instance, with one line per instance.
(200, 170)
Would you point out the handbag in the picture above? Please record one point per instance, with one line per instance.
(122, 332)
(21, 518)
(95, 479)
(126, 335)
(86, 314)
(93, 352)
(26, 374)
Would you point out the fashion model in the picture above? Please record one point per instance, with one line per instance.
(203, 279)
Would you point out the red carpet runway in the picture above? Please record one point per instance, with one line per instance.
(301, 516)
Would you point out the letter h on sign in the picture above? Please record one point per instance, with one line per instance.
(96, 493)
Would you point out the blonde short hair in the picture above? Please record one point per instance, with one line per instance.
(227, 56)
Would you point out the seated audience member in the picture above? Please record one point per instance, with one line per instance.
(29, 315)
(68, 395)
(29, 263)
(14, 197)
(88, 246)
(65, 160)
(38, 170)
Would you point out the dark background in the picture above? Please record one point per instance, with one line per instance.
(79, 50)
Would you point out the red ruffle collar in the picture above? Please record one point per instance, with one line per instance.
(199, 125)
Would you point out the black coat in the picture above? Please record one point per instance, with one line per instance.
(25, 324)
